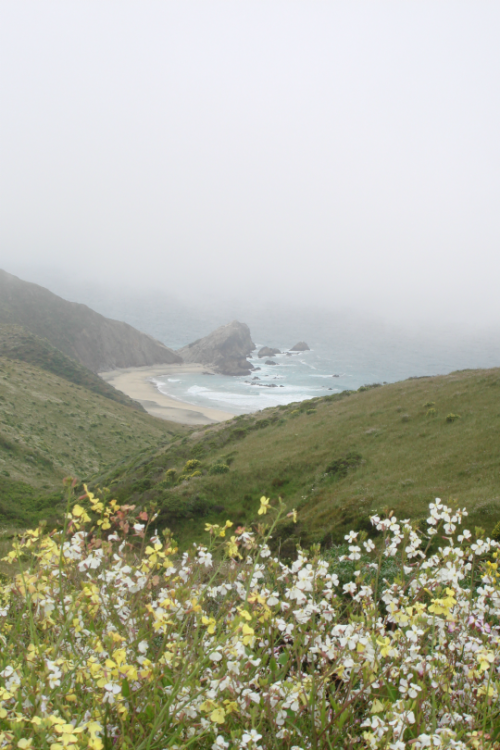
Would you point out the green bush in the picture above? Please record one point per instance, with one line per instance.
(193, 463)
(340, 467)
(495, 534)
(453, 417)
(218, 469)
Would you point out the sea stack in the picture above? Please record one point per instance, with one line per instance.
(267, 351)
(225, 350)
(301, 346)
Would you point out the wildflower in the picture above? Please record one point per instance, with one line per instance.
(293, 514)
(220, 743)
(252, 736)
(264, 505)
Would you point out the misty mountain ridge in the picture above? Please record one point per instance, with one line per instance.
(96, 342)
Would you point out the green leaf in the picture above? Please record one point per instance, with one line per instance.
(125, 688)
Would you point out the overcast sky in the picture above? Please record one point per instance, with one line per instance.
(333, 153)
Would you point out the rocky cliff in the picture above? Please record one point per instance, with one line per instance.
(96, 342)
(225, 350)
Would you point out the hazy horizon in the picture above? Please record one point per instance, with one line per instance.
(339, 156)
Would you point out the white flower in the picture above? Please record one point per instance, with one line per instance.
(252, 736)
(349, 588)
(143, 647)
(351, 536)
(220, 743)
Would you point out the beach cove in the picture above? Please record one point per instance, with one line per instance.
(139, 384)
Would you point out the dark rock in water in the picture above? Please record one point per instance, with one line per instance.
(257, 368)
(288, 354)
(205, 372)
(282, 386)
(335, 376)
(267, 351)
(269, 362)
(301, 346)
(225, 350)
(255, 378)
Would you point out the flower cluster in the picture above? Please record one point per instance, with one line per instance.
(111, 638)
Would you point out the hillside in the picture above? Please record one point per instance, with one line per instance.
(336, 459)
(18, 343)
(96, 342)
(51, 427)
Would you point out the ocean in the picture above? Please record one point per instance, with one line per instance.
(357, 348)
(346, 352)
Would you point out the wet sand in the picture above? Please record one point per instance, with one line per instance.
(135, 382)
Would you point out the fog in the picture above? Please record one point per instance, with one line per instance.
(323, 154)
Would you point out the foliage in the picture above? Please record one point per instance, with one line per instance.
(110, 639)
(218, 468)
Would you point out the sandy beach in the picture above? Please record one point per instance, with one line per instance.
(135, 382)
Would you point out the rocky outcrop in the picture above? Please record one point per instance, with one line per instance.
(267, 351)
(301, 346)
(225, 350)
(96, 342)
(269, 362)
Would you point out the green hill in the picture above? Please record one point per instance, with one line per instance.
(53, 426)
(18, 343)
(336, 459)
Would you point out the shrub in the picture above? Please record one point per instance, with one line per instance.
(431, 412)
(218, 468)
(341, 466)
(453, 417)
(111, 639)
(192, 464)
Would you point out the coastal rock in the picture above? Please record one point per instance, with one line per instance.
(301, 346)
(267, 351)
(225, 350)
(96, 342)
(269, 362)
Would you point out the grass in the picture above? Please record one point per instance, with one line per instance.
(51, 427)
(18, 343)
(408, 453)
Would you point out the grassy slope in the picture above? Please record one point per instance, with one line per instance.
(408, 457)
(51, 428)
(18, 343)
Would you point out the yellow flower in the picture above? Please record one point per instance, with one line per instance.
(264, 505)
(293, 515)
(210, 622)
(218, 716)
(248, 635)
(232, 548)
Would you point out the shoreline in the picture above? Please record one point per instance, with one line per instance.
(136, 383)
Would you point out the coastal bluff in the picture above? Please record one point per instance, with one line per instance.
(225, 350)
(98, 343)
